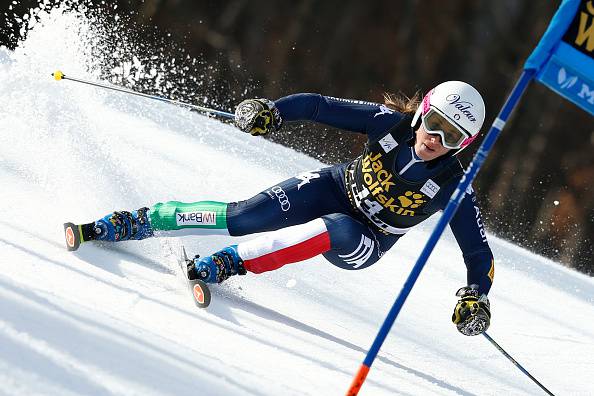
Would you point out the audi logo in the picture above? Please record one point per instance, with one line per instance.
(282, 198)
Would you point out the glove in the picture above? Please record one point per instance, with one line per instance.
(472, 315)
(258, 116)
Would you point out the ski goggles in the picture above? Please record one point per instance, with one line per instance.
(452, 136)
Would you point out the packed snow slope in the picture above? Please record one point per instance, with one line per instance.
(117, 319)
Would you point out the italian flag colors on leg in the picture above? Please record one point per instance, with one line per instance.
(288, 245)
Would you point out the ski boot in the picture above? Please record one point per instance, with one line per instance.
(123, 226)
(217, 267)
(115, 227)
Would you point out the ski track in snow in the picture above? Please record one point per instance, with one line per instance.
(117, 319)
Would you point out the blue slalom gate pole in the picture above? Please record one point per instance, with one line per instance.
(445, 218)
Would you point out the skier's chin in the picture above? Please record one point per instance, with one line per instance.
(424, 146)
(426, 153)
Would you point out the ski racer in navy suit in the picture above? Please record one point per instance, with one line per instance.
(351, 213)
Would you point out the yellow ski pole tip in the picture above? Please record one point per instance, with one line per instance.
(58, 75)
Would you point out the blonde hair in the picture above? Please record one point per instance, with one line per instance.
(402, 103)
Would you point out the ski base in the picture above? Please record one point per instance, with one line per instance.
(73, 235)
(200, 292)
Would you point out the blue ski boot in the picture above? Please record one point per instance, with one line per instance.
(123, 226)
(118, 226)
(217, 267)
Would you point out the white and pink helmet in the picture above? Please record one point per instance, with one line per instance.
(460, 104)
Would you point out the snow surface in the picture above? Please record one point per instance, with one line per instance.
(118, 320)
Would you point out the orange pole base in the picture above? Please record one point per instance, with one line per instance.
(358, 381)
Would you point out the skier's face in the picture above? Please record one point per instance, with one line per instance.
(428, 147)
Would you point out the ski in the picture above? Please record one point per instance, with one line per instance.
(199, 289)
(75, 234)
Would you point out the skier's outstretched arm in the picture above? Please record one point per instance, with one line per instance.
(260, 116)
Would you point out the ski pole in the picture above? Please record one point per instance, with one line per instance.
(58, 75)
(518, 365)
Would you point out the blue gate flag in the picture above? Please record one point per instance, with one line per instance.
(563, 60)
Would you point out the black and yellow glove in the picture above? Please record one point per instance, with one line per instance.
(258, 116)
(472, 315)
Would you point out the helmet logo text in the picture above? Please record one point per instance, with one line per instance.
(462, 106)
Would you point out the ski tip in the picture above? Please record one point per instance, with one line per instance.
(200, 292)
(72, 236)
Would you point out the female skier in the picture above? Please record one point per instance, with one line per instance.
(351, 213)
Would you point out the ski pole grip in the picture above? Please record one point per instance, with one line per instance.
(58, 75)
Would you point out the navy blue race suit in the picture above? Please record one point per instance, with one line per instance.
(372, 200)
